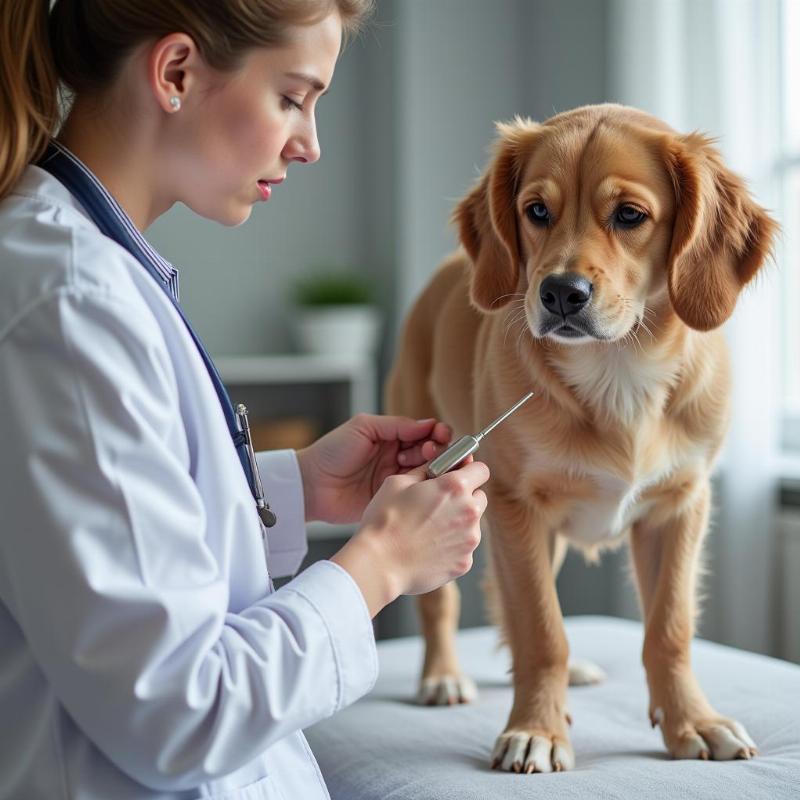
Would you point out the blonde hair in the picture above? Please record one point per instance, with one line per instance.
(82, 45)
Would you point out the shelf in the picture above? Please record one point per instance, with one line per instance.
(321, 531)
(283, 374)
(292, 368)
(328, 388)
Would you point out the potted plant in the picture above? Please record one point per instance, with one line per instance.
(336, 314)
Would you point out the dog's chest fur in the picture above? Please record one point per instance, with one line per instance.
(615, 506)
(622, 386)
(641, 449)
(598, 500)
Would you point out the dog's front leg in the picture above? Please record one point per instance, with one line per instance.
(666, 551)
(535, 738)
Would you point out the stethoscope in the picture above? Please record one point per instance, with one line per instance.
(112, 221)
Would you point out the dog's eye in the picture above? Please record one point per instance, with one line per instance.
(538, 213)
(629, 216)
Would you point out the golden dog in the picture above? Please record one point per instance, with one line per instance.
(602, 251)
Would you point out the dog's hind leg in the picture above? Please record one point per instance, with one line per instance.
(442, 682)
(581, 671)
(584, 673)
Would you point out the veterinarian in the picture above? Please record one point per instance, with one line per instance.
(144, 652)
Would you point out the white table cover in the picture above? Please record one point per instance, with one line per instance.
(386, 747)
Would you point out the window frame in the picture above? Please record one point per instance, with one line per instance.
(787, 167)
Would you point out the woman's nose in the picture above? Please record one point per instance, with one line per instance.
(303, 147)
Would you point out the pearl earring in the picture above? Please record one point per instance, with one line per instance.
(175, 102)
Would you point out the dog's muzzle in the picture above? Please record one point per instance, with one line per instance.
(564, 298)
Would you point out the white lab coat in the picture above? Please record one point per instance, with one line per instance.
(143, 653)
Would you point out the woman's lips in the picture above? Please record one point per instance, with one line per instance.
(265, 189)
(265, 186)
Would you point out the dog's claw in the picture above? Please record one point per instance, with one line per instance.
(709, 739)
(526, 753)
(446, 690)
(656, 717)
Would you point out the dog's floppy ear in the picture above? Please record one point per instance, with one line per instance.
(487, 219)
(720, 238)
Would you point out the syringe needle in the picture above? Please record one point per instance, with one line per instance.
(491, 426)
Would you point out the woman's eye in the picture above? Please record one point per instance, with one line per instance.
(538, 213)
(629, 216)
(289, 103)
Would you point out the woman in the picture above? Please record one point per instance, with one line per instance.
(143, 650)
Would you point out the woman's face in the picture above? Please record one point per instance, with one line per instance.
(240, 131)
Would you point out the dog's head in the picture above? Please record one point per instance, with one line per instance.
(604, 211)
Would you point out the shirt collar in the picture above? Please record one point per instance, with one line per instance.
(165, 270)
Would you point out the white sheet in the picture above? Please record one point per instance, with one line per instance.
(387, 748)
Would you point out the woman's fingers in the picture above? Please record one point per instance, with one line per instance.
(415, 454)
(442, 433)
(405, 430)
(475, 473)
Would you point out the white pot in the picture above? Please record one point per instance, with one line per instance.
(350, 329)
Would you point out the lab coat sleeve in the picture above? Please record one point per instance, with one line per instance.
(283, 487)
(103, 544)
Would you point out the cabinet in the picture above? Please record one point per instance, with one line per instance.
(326, 390)
(787, 591)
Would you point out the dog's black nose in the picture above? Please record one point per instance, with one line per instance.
(565, 294)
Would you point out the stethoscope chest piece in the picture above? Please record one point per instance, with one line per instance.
(267, 516)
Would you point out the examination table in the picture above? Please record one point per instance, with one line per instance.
(385, 747)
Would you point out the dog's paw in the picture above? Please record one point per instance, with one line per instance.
(446, 690)
(584, 673)
(714, 738)
(522, 751)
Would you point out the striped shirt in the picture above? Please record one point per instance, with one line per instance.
(162, 267)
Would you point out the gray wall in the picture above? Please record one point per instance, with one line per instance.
(405, 131)
(235, 281)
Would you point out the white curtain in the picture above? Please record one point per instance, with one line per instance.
(712, 65)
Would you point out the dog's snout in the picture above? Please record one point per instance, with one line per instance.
(565, 294)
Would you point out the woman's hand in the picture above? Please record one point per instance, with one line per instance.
(344, 469)
(416, 534)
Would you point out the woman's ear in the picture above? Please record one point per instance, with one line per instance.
(172, 61)
(487, 219)
(720, 237)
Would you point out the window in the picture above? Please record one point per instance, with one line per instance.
(788, 173)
